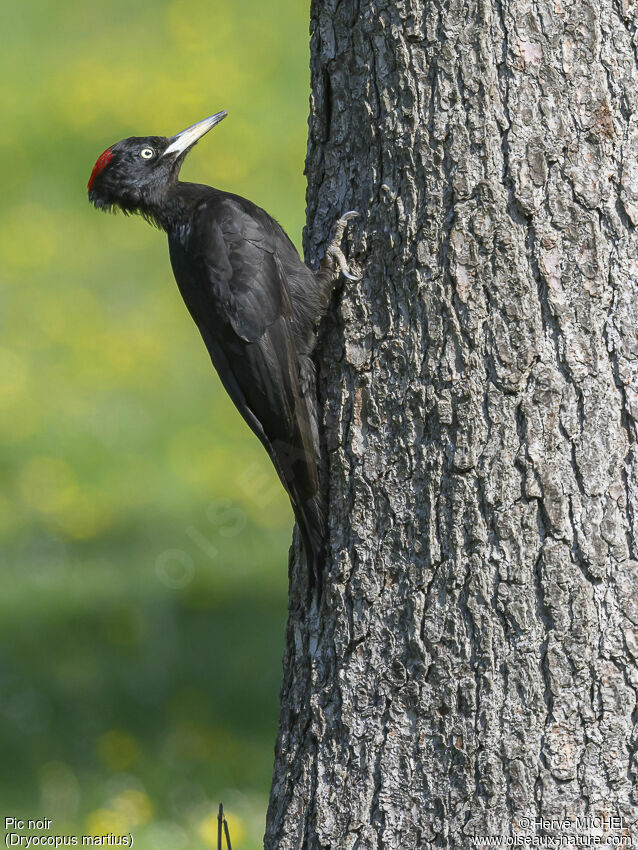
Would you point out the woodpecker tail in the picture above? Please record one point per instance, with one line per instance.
(297, 465)
(312, 528)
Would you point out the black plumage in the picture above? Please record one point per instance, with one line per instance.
(255, 302)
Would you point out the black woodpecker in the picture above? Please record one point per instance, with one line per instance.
(255, 302)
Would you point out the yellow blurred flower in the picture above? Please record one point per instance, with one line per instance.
(208, 830)
(48, 484)
(118, 750)
(84, 519)
(134, 806)
(103, 821)
(129, 809)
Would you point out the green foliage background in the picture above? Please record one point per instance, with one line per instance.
(143, 532)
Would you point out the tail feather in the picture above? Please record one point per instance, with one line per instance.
(297, 470)
(311, 521)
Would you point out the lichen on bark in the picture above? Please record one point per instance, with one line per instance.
(473, 660)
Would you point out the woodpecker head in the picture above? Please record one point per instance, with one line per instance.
(134, 174)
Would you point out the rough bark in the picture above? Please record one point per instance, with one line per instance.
(473, 661)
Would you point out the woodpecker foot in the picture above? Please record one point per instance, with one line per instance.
(334, 254)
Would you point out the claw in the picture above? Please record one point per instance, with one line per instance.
(334, 251)
(337, 253)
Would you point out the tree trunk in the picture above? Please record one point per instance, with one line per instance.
(473, 660)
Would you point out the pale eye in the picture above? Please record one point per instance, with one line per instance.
(146, 153)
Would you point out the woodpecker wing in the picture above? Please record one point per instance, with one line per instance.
(243, 269)
(235, 287)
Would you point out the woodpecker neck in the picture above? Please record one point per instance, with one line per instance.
(174, 206)
(164, 208)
